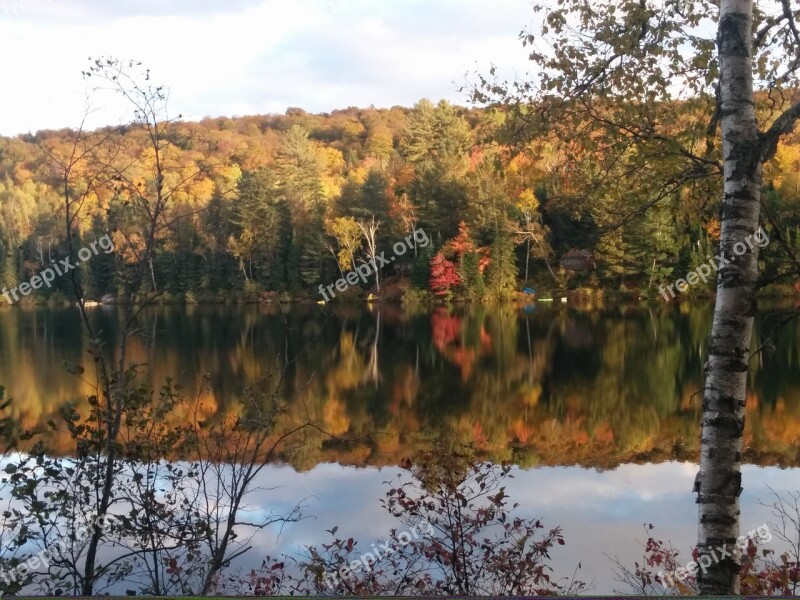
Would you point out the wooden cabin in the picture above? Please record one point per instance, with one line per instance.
(578, 260)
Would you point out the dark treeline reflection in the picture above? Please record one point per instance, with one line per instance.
(551, 385)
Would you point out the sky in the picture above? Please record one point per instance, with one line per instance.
(243, 57)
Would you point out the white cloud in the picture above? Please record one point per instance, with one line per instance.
(252, 56)
(601, 512)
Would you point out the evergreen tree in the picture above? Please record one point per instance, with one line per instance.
(472, 282)
(436, 142)
(421, 272)
(501, 274)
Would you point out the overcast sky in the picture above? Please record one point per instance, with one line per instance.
(238, 57)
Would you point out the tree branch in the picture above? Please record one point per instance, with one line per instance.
(782, 125)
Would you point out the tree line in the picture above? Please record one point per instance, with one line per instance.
(274, 206)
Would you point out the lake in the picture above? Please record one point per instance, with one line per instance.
(598, 409)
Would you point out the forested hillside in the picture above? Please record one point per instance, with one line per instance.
(262, 206)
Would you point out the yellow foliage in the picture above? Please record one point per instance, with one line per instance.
(336, 419)
(527, 202)
(358, 175)
(787, 171)
(531, 395)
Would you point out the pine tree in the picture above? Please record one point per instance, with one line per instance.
(501, 274)
(421, 272)
(472, 282)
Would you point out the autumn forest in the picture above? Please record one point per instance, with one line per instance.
(241, 353)
(270, 207)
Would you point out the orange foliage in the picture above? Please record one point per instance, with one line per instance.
(713, 228)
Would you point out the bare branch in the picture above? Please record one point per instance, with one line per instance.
(783, 125)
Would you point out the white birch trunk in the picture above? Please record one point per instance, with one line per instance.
(719, 481)
(370, 231)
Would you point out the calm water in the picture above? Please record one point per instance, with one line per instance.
(598, 408)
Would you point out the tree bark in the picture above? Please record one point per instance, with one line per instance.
(370, 231)
(527, 258)
(719, 479)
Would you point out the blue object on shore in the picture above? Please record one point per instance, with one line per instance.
(529, 291)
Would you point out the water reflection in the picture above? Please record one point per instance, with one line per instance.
(555, 386)
(551, 388)
(602, 512)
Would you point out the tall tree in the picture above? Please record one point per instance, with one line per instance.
(370, 231)
(501, 274)
(436, 142)
(719, 479)
(532, 230)
(622, 70)
(347, 233)
(256, 242)
(300, 168)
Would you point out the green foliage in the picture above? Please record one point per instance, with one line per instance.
(472, 283)
(501, 274)
(415, 297)
(702, 253)
(436, 142)
(421, 272)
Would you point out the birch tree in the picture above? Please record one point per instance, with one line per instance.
(347, 233)
(370, 230)
(613, 76)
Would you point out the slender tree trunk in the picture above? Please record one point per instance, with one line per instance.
(336, 258)
(370, 231)
(153, 274)
(718, 483)
(652, 274)
(527, 258)
(372, 370)
(544, 256)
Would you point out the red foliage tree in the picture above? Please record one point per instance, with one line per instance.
(462, 243)
(444, 275)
